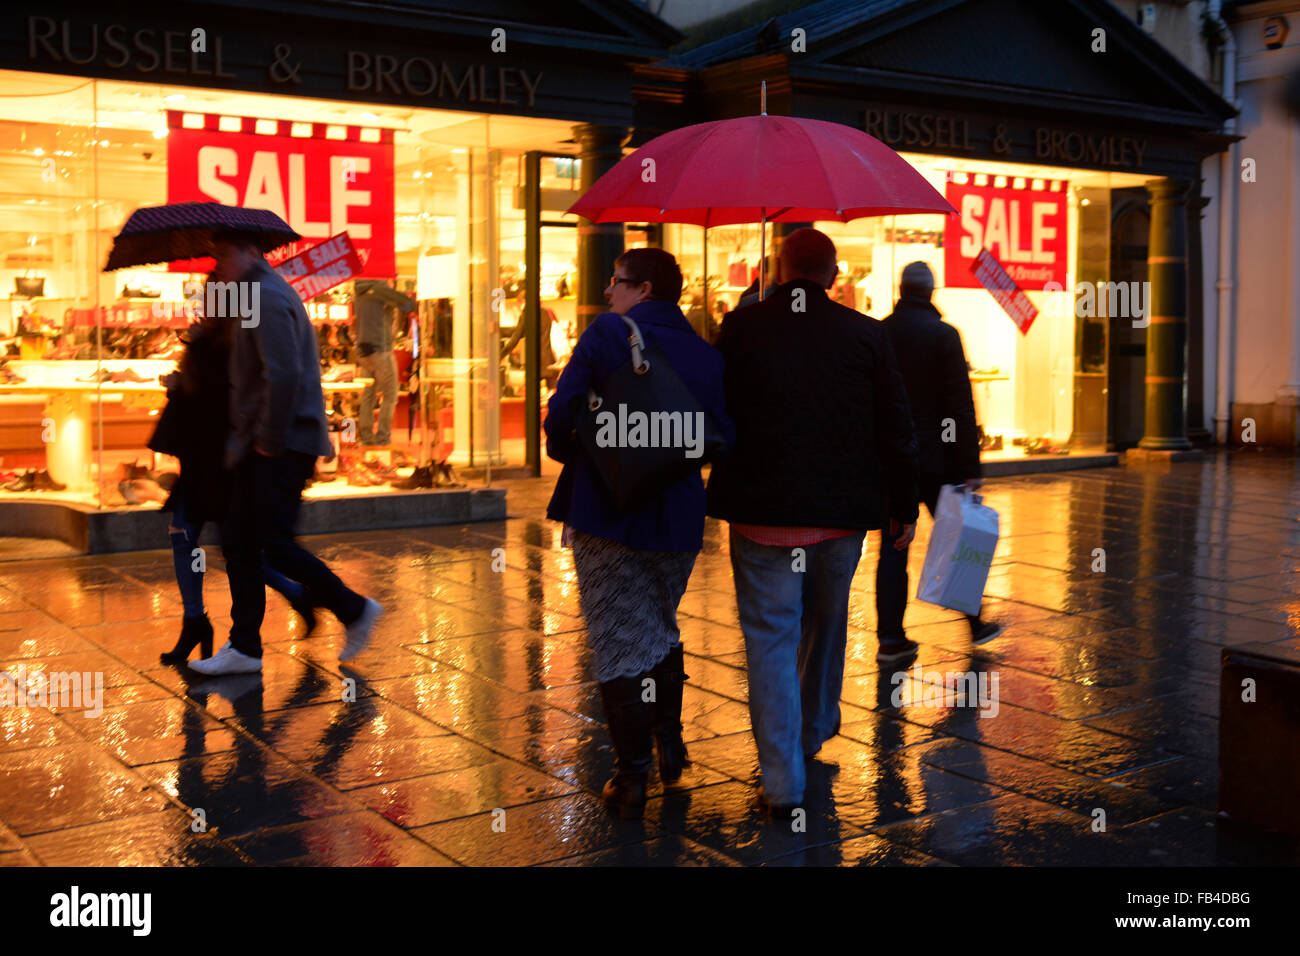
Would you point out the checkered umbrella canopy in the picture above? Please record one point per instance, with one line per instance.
(184, 230)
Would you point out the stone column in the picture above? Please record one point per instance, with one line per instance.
(1166, 311)
(599, 244)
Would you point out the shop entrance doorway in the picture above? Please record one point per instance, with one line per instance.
(1126, 409)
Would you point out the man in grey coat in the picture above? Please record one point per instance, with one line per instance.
(277, 430)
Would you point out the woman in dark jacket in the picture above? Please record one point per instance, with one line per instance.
(193, 428)
(633, 566)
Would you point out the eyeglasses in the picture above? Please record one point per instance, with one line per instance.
(615, 280)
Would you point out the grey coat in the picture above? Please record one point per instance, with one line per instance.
(276, 400)
(373, 328)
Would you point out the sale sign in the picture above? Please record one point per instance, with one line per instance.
(990, 274)
(321, 267)
(320, 186)
(1025, 229)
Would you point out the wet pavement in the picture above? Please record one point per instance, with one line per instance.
(470, 732)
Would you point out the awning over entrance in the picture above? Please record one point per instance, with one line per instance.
(1070, 83)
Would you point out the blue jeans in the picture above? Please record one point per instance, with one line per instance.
(796, 629)
(185, 540)
(382, 367)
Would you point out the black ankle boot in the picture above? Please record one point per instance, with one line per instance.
(670, 676)
(194, 630)
(308, 615)
(630, 719)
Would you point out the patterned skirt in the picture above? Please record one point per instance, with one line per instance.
(629, 599)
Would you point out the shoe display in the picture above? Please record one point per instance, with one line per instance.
(23, 482)
(447, 477)
(359, 630)
(227, 661)
(420, 478)
(129, 493)
(42, 481)
(8, 376)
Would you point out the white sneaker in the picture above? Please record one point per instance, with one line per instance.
(359, 630)
(227, 661)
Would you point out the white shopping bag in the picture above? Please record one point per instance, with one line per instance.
(962, 543)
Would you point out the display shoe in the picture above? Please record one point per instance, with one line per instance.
(359, 477)
(128, 471)
(23, 482)
(99, 376)
(43, 482)
(670, 676)
(630, 721)
(194, 630)
(447, 477)
(128, 493)
(128, 375)
(422, 477)
(381, 471)
(166, 480)
(9, 377)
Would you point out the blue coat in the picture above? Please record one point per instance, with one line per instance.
(676, 521)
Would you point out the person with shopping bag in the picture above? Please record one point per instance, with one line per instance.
(633, 557)
(933, 365)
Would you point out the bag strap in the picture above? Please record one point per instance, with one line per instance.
(640, 364)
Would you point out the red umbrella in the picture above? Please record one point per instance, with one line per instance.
(760, 168)
(779, 168)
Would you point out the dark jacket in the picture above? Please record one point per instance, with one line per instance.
(933, 365)
(676, 521)
(193, 424)
(823, 432)
(276, 400)
(374, 331)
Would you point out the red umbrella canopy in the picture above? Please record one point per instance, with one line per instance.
(739, 170)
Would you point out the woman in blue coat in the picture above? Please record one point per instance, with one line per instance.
(633, 566)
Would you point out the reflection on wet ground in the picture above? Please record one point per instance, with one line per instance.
(470, 732)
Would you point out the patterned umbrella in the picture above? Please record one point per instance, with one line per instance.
(184, 230)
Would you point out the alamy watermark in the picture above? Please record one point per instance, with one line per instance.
(951, 689)
(75, 690)
(235, 300)
(1110, 300)
(651, 430)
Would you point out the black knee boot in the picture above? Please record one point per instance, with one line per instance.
(670, 675)
(630, 720)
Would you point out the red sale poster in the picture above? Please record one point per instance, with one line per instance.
(990, 274)
(320, 186)
(1024, 229)
(322, 267)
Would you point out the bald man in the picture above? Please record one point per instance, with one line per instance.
(824, 453)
